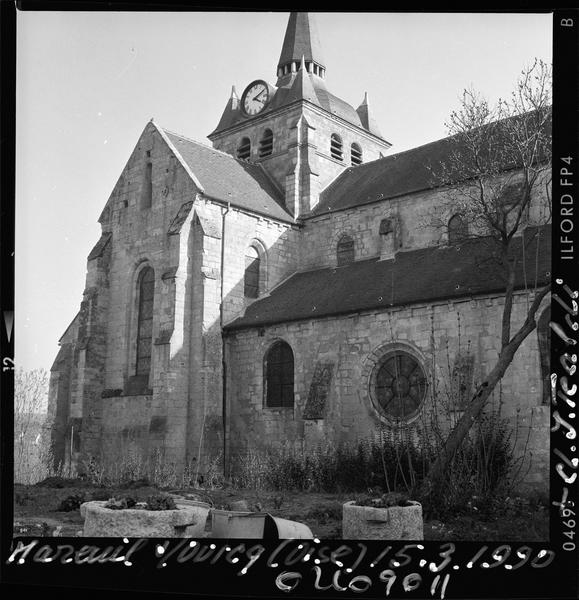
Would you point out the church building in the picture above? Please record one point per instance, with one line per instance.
(288, 285)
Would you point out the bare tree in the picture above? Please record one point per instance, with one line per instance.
(30, 396)
(497, 171)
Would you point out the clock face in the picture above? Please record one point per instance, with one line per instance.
(255, 98)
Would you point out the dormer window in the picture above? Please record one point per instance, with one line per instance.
(244, 149)
(355, 154)
(266, 143)
(336, 147)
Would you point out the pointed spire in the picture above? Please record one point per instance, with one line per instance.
(367, 118)
(302, 87)
(301, 39)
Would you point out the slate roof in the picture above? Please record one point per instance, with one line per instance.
(399, 174)
(227, 179)
(336, 105)
(416, 276)
(301, 39)
(293, 92)
(388, 177)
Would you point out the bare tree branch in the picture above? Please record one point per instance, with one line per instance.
(497, 167)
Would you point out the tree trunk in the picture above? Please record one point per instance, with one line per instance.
(480, 398)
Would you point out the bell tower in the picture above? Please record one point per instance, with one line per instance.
(296, 129)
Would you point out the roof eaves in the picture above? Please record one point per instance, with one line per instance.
(250, 211)
(232, 328)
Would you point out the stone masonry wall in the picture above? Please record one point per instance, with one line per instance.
(284, 157)
(422, 218)
(178, 412)
(437, 333)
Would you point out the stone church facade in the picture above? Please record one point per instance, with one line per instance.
(286, 286)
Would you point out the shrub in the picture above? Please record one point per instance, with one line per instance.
(157, 502)
(482, 468)
(481, 473)
(121, 503)
(160, 502)
(71, 503)
(384, 501)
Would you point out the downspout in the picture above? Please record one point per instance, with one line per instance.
(223, 362)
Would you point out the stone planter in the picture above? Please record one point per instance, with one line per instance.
(187, 520)
(392, 523)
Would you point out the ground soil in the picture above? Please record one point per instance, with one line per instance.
(36, 511)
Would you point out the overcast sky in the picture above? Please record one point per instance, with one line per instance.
(88, 83)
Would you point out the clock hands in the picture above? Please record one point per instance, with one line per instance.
(258, 95)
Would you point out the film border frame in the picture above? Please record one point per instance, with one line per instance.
(144, 576)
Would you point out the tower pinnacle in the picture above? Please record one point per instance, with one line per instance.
(301, 40)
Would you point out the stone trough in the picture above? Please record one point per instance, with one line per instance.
(187, 520)
(374, 523)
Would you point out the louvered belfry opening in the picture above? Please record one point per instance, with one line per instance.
(336, 150)
(266, 143)
(145, 320)
(355, 155)
(279, 379)
(244, 149)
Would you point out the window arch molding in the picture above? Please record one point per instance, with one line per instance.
(413, 382)
(278, 375)
(457, 228)
(340, 238)
(262, 280)
(134, 312)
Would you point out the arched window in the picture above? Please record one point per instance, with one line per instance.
(266, 143)
(244, 149)
(398, 386)
(336, 147)
(252, 266)
(345, 251)
(457, 229)
(279, 376)
(544, 339)
(146, 287)
(355, 154)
